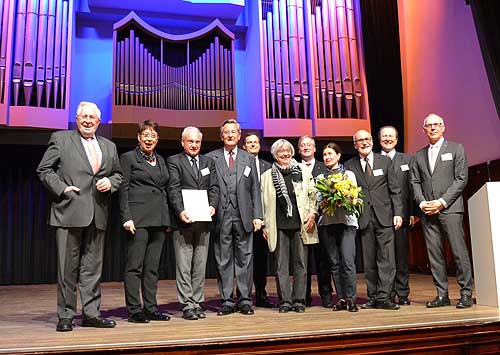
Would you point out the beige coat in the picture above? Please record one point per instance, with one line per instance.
(306, 200)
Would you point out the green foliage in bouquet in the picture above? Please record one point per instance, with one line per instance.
(338, 191)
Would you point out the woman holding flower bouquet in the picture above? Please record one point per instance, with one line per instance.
(289, 202)
(339, 205)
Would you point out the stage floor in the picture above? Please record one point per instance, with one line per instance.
(28, 319)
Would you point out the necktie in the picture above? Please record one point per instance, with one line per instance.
(231, 160)
(94, 157)
(433, 156)
(196, 171)
(368, 168)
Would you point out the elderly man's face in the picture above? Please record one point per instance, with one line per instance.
(87, 122)
(307, 148)
(434, 128)
(363, 143)
(230, 136)
(388, 139)
(284, 156)
(191, 142)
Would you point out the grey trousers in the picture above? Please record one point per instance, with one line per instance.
(450, 226)
(79, 263)
(290, 245)
(233, 249)
(191, 251)
(141, 270)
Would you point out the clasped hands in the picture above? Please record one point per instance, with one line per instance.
(431, 207)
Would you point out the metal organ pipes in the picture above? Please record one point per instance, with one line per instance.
(156, 70)
(311, 51)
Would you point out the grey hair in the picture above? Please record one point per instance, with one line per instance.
(386, 127)
(433, 115)
(230, 121)
(94, 107)
(191, 128)
(305, 137)
(279, 144)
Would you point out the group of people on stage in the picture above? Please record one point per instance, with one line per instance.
(257, 208)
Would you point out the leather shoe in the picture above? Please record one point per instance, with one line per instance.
(246, 309)
(225, 310)
(64, 325)
(372, 303)
(265, 303)
(438, 301)
(308, 300)
(138, 317)
(98, 322)
(157, 316)
(299, 308)
(351, 306)
(284, 308)
(189, 314)
(341, 305)
(200, 313)
(404, 301)
(465, 302)
(326, 302)
(387, 305)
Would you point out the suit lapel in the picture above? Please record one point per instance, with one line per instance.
(361, 173)
(220, 163)
(77, 141)
(240, 165)
(187, 165)
(438, 163)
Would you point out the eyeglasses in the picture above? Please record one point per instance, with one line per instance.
(230, 132)
(433, 125)
(148, 135)
(361, 140)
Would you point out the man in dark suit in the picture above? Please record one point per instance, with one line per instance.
(81, 170)
(438, 177)
(238, 216)
(401, 164)
(316, 254)
(260, 248)
(381, 215)
(191, 171)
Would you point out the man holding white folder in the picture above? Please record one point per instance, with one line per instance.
(192, 174)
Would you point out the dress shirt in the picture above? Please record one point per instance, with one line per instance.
(391, 154)
(363, 162)
(94, 142)
(309, 164)
(226, 155)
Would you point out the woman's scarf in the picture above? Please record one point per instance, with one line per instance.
(277, 172)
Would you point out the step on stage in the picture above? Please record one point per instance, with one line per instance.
(28, 319)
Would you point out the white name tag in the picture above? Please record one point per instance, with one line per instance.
(205, 171)
(378, 172)
(320, 176)
(404, 167)
(247, 171)
(446, 156)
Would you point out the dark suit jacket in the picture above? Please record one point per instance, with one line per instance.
(382, 192)
(143, 197)
(248, 188)
(182, 177)
(448, 179)
(264, 165)
(402, 164)
(318, 169)
(65, 163)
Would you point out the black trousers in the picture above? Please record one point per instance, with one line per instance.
(317, 259)
(401, 248)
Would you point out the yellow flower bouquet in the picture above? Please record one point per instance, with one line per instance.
(338, 191)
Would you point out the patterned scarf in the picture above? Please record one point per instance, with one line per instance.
(277, 172)
(150, 158)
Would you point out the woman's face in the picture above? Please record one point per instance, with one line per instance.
(148, 139)
(331, 158)
(284, 156)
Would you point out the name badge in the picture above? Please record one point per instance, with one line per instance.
(320, 176)
(404, 167)
(205, 172)
(247, 171)
(378, 172)
(446, 156)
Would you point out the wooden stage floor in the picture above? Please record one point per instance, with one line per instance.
(28, 319)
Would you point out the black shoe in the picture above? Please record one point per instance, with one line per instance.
(138, 317)
(326, 302)
(438, 301)
(98, 322)
(225, 310)
(299, 308)
(341, 305)
(200, 313)
(265, 303)
(465, 302)
(246, 309)
(387, 305)
(284, 308)
(404, 301)
(308, 301)
(64, 325)
(351, 306)
(372, 303)
(189, 314)
(157, 316)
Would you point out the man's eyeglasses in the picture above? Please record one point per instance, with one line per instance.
(361, 140)
(88, 117)
(433, 125)
(148, 135)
